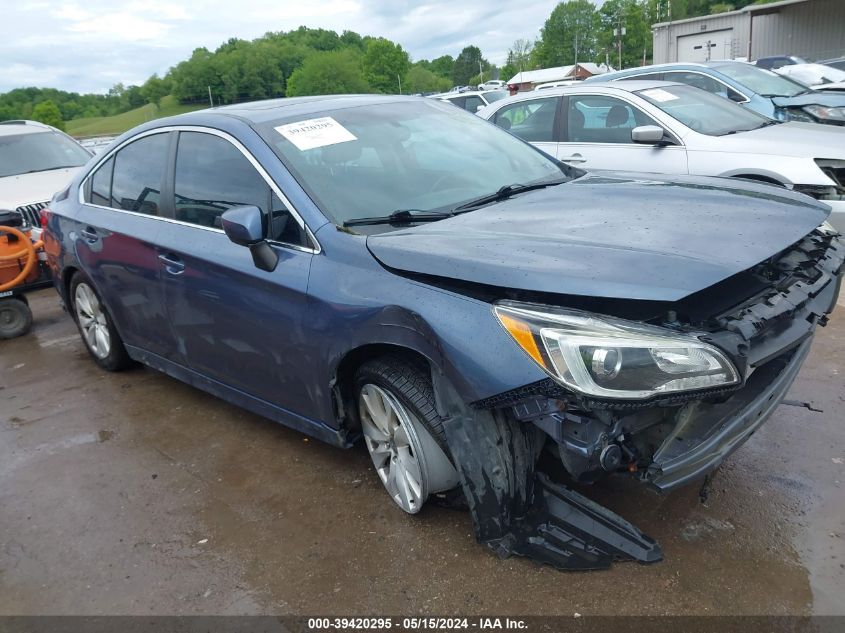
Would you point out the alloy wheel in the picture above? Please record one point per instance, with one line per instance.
(392, 440)
(92, 320)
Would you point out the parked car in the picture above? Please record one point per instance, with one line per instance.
(472, 101)
(755, 88)
(779, 61)
(817, 76)
(36, 160)
(555, 84)
(394, 269)
(836, 62)
(492, 84)
(670, 128)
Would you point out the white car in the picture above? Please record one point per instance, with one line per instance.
(817, 76)
(492, 84)
(472, 101)
(555, 84)
(36, 161)
(670, 128)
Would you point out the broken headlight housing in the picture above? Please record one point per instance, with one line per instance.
(605, 357)
(826, 113)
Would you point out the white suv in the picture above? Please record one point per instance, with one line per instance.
(36, 160)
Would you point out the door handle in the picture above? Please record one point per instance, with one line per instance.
(90, 234)
(575, 158)
(172, 264)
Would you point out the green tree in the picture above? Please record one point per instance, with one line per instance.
(49, 113)
(443, 66)
(468, 64)
(384, 64)
(634, 17)
(519, 59)
(154, 89)
(568, 35)
(420, 80)
(329, 72)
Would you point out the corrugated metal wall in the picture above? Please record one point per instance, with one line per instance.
(813, 29)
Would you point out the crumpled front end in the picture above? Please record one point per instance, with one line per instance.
(664, 441)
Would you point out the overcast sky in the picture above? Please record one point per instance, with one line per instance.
(89, 46)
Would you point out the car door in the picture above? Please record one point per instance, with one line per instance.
(534, 120)
(233, 323)
(117, 228)
(597, 135)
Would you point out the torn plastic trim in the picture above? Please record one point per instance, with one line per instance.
(734, 423)
(518, 511)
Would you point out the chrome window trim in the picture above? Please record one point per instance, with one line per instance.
(239, 146)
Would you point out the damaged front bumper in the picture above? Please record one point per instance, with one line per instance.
(665, 443)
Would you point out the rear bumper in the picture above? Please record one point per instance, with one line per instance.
(735, 421)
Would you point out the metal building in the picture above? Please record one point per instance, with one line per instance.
(813, 29)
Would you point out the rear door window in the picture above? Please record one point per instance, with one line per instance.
(532, 120)
(138, 174)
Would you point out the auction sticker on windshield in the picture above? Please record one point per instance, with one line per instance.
(315, 133)
(658, 94)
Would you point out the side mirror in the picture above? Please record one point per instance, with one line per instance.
(647, 134)
(478, 108)
(244, 226)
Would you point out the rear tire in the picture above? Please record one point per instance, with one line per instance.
(15, 318)
(96, 326)
(403, 432)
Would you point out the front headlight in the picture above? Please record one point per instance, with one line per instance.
(826, 113)
(607, 357)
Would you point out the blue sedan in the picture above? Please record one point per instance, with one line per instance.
(758, 89)
(398, 271)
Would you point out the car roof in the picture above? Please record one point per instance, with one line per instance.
(715, 65)
(466, 93)
(632, 85)
(15, 128)
(272, 109)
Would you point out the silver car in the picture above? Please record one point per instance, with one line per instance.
(671, 128)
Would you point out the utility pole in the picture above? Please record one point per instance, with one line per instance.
(209, 97)
(480, 71)
(619, 31)
(399, 79)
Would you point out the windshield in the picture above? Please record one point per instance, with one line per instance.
(763, 82)
(703, 111)
(415, 154)
(39, 151)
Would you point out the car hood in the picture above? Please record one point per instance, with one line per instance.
(809, 140)
(813, 97)
(39, 186)
(609, 235)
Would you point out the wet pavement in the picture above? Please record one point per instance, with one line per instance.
(132, 493)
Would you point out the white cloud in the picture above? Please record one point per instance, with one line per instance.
(90, 46)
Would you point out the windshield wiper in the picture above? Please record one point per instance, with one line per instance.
(504, 193)
(403, 216)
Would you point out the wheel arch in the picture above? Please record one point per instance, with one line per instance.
(344, 375)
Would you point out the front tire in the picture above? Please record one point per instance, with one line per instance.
(403, 432)
(96, 326)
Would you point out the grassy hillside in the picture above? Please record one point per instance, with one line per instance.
(104, 125)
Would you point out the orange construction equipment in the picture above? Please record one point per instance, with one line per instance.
(21, 270)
